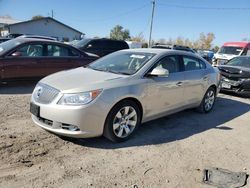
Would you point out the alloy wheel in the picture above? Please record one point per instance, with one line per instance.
(125, 121)
(209, 100)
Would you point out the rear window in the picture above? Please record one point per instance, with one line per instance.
(8, 45)
(117, 45)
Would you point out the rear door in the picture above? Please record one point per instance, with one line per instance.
(59, 57)
(26, 64)
(195, 79)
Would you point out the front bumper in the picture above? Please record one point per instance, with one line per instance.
(237, 87)
(72, 121)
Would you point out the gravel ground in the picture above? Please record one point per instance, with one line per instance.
(168, 152)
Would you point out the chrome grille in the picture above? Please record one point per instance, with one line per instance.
(44, 94)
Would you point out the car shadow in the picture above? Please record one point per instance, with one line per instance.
(175, 127)
(20, 87)
(246, 96)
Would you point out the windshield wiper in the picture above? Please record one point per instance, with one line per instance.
(118, 72)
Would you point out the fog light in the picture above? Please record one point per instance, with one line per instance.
(70, 127)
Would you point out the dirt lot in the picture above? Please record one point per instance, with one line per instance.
(169, 152)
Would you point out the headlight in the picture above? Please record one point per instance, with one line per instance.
(79, 98)
(244, 79)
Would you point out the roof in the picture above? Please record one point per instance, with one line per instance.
(160, 51)
(47, 18)
(237, 44)
(7, 20)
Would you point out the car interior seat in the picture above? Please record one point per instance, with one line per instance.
(170, 65)
(191, 65)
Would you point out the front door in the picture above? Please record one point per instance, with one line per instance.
(165, 93)
(26, 64)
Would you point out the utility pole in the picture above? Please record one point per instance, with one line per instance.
(52, 13)
(151, 23)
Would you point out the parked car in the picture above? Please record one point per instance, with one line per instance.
(174, 47)
(38, 37)
(206, 54)
(115, 94)
(3, 39)
(229, 50)
(236, 75)
(26, 58)
(101, 47)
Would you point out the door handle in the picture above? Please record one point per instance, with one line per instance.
(179, 83)
(205, 78)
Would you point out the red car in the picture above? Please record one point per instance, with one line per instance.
(29, 58)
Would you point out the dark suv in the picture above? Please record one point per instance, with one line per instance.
(100, 47)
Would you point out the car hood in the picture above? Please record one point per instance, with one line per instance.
(82, 79)
(234, 71)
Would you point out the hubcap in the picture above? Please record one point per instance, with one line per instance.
(125, 121)
(209, 100)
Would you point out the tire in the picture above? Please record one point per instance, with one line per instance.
(122, 121)
(207, 102)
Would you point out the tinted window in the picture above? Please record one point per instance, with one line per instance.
(191, 63)
(32, 50)
(74, 53)
(96, 44)
(240, 61)
(171, 63)
(118, 45)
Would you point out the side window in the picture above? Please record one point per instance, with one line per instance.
(171, 63)
(244, 51)
(191, 63)
(31, 50)
(57, 51)
(73, 53)
(96, 44)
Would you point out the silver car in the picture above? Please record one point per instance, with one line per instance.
(118, 92)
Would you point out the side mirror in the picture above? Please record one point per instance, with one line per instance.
(89, 46)
(159, 71)
(16, 54)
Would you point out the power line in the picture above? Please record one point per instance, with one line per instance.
(115, 16)
(204, 8)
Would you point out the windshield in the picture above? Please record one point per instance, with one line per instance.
(8, 45)
(126, 63)
(240, 61)
(232, 50)
(81, 43)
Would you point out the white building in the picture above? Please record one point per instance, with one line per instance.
(46, 26)
(4, 21)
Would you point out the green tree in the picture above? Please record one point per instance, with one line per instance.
(119, 33)
(216, 48)
(37, 17)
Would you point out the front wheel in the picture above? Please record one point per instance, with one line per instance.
(122, 121)
(208, 101)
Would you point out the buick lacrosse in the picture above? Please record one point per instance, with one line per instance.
(115, 94)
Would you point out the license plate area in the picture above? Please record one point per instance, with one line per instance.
(35, 109)
(225, 85)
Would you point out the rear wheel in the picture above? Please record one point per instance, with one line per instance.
(122, 121)
(208, 101)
